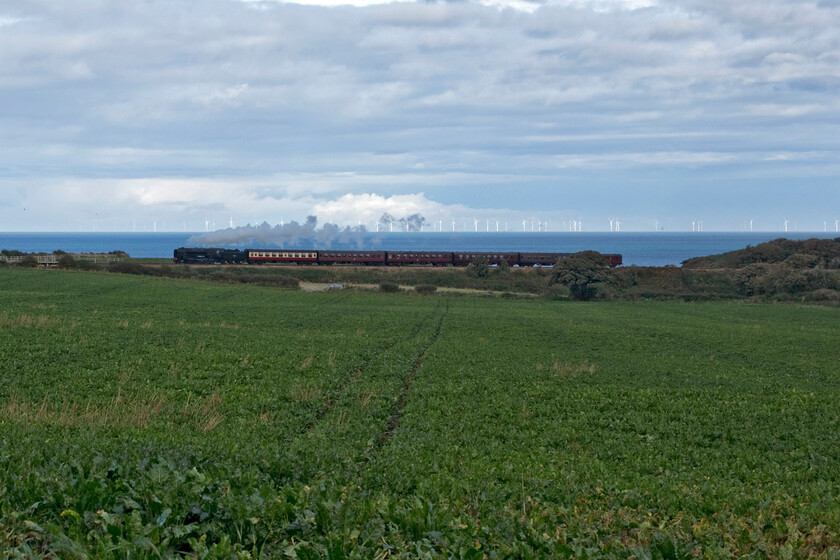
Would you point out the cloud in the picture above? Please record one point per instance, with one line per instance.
(469, 102)
(368, 207)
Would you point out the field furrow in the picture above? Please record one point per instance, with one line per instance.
(394, 420)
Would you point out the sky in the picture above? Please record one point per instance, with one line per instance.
(175, 115)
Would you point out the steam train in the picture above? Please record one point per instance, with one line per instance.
(185, 255)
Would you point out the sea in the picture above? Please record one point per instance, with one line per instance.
(636, 248)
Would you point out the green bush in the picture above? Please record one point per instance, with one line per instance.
(480, 267)
(824, 295)
(28, 261)
(127, 267)
(583, 273)
(425, 289)
(66, 261)
(84, 264)
(389, 287)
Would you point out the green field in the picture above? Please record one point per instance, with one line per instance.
(151, 417)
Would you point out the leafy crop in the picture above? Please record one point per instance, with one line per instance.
(151, 417)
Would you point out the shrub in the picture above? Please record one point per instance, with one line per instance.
(84, 264)
(480, 267)
(824, 294)
(28, 261)
(66, 261)
(425, 289)
(582, 273)
(389, 287)
(127, 267)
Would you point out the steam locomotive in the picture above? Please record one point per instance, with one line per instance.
(185, 255)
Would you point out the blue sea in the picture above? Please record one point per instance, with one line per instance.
(641, 249)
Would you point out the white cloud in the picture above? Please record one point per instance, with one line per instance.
(369, 207)
(5, 20)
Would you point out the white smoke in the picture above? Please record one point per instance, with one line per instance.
(306, 235)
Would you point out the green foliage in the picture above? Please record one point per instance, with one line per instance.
(479, 267)
(154, 418)
(389, 287)
(28, 261)
(582, 273)
(808, 253)
(66, 261)
(425, 289)
(127, 267)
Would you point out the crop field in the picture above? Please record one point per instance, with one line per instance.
(154, 418)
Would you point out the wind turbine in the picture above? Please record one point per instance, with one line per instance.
(786, 225)
(524, 224)
(475, 224)
(453, 224)
(617, 225)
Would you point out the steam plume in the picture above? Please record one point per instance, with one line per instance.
(413, 223)
(409, 223)
(293, 234)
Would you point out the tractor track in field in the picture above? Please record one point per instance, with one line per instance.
(332, 400)
(396, 416)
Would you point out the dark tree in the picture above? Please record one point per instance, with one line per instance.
(66, 261)
(582, 273)
(30, 261)
(480, 267)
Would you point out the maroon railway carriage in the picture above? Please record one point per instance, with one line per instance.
(540, 259)
(394, 258)
(352, 257)
(434, 258)
(464, 258)
(615, 260)
(261, 256)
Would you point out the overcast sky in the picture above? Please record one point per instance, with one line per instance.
(178, 113)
